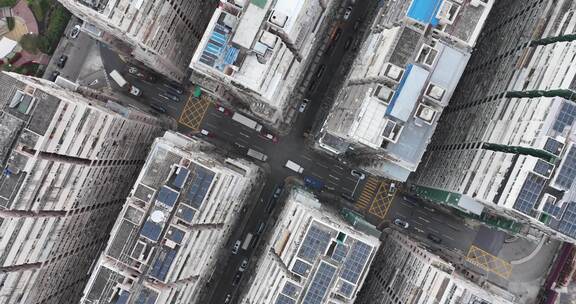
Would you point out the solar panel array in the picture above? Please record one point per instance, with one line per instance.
(282, 299)
(320, 283)
(146, 296)
(151, 230)
(201, 181)
(292, 290)
(301, 268)
(543, 168)
(567, 224)
(180, 178)
(174, 234)
(167, 196)
(346, 289)
(315, 242)
(551, 209)
(215, 46)
(553, 146)
(163, 263)
(340, 252)
(356, 261)
(567, 171)
(565, 117)
(529, 193)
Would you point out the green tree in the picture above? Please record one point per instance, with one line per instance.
(29, 42)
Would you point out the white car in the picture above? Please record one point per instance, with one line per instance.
(347, 12)
(74, 32)
(401, 223)
(236, 247)
(243, 266)
(303, 105)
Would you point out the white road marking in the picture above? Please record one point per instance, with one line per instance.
(447, 237)
(227, 133)
(352, 178)
(322, 165)
(419, 230)
(333, 183)
(433, 230)
(245, 135)
(425, 220)
(334, 177)
(346, 189)
(242, 141)
(214, 114)
(306, 157)
(211, 125)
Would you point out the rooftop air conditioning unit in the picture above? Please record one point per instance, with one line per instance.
(278, 19)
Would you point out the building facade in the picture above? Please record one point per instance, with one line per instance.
(165, 243)
(257, 51)
(402, 79)
(311, 256)
(505, 141)
(405, 272)
(161, 34)
(67, 165)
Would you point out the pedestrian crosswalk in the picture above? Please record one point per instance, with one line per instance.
(368, 193)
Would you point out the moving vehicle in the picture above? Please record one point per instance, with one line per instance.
(434, 238)
(261, 227)
(313, 183)
(74, 32)
(244, 265)
(237, 278)
(257, 155)
(401, 223)
(62, 61)
(158, 108)
(250, 123)
(236, 247)
(277, 192)
(269, 136)
(169, 97)
(223, 110)
(358, 174)
(174, 88)
(247, 241)
(117, 77)
(206, 133)
(303, 105)
(228, 299)
(294, 166)
(54, 75)
(348, 12)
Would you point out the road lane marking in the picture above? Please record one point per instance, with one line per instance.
(245, 135)
(211, 125)
(334, 177)
(242, 141)
(433, 230)
(425, 220)
(322, 165)
(446, 236)
(227, 133)
(214, 114)
(333, 183)
(352, 178)
(305, 157)
(315, 175)
(346, 189)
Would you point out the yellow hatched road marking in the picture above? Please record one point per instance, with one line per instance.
(489, 262)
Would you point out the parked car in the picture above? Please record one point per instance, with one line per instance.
(237, 278)
(228, 299)
(348, 12)
(261, 227)
(206, 133)
(358, 174)
(434, 238)
(236, 247)
(348, 43)
(62, 61)
(244, 265)
(54, 75)
(223, 110)
(303, 105)
(170, 97)
(269, 136)
(158, 108)
(174, 88)
(401, 223)
(320, 71)
(74, 32)
(278, 191)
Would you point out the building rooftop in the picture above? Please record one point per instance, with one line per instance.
(314, 257)
(172, 225)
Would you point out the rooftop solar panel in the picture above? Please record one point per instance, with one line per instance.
(185, 213)
(174, 234)
(151, 230)
(340, 252)
(356, 261)
(346, 289)
(123, 298)
(290, 289)
(146, 296)
(282, 299)
(301, 268)
(543, 168)
(567, 224)
(201, 181)
(567, 171)
(565, 117)
(553, 146)
(315, 242)
(529, 193)
(167, 196)
(320, 283)
(163, 263)
(180, 178)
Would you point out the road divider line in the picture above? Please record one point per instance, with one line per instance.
(425, 220)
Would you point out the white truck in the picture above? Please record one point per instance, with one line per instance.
(250, 123)
(294, 166)
(117, 77)
(247, 241)
(257, 155)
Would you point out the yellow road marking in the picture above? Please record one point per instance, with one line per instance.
(489, 262)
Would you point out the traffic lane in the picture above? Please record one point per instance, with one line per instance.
(424, 220)
(259, 214)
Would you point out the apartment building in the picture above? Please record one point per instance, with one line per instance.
(161, 34)
(67, 163)
(505, 141)
(258, 50)
(165, 243)
(405, 272)
(402, 79)
(310, 256)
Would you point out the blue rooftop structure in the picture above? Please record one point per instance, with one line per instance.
(408, 91)
(151, 230)
(185, 213)
(167, 196)
(123, 298)
(201, 181)
(163, 263)
(425, 11)
(180, 178)
(174, 234)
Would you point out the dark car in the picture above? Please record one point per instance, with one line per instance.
(237, 278)
(54, 75)
(158, 108)
(434, 238)
(170, 97)
(62, 61)
(277, 192)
